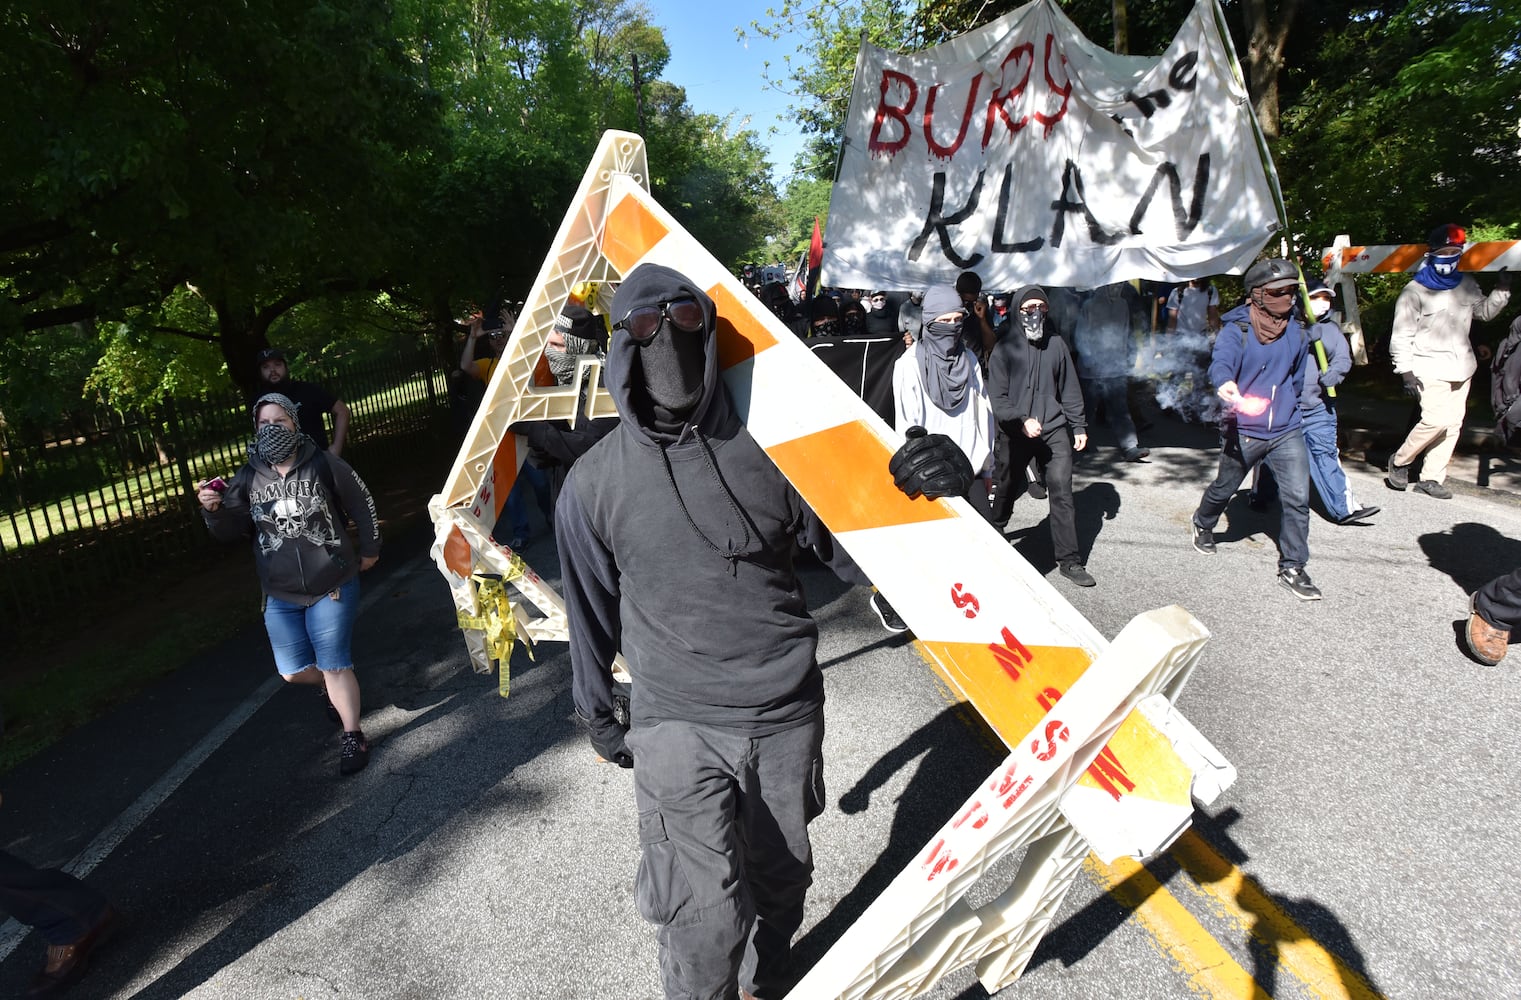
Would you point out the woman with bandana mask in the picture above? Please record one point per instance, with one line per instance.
(1432, 355)
(292, 498)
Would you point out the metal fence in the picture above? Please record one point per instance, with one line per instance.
(100, 497)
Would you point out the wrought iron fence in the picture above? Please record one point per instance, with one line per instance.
(100, 496)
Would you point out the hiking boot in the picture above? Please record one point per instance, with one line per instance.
(1433, 489)
(355, 753)
(1398, 476)
(1078, 574)
(886, 615)
(1297, 582)
(65, 963)
(1487, 643)
(1204, 538)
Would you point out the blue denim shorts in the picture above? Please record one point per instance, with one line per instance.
(317, 635)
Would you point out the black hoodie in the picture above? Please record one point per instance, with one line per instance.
(1034, 380)
(677, 549)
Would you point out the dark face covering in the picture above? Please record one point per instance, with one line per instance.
(1269, 313)
(671, 363)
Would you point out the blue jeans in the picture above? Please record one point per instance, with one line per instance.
(1325, 461)
(530, 477)
(1289, 461)
(313, 635)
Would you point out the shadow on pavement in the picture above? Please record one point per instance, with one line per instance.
(949, 770)
(1472, 554)
(1209, 856)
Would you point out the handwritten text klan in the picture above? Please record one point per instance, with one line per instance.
(1031, 90)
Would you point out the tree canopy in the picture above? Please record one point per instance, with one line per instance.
(182, 182)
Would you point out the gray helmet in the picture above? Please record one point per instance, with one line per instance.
(1268, 272)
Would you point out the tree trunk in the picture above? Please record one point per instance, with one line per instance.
(241, 338)
(1268, 33)
(1121, 28)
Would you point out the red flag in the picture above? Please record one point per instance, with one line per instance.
(815, 257)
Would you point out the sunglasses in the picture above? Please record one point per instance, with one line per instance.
(642, 323)
(1032, 310)
(1278, 293)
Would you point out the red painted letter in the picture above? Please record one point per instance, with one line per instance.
(898, 113)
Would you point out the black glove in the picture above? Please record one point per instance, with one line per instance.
(1412, 384)
(1502, 283)
(931, 465)
(607, 739)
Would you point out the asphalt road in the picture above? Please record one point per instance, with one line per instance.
(1368, 847)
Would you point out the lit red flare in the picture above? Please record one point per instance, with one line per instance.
(1252, 406)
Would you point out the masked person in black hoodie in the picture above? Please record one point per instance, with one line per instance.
(676, 536)
(1038, 401)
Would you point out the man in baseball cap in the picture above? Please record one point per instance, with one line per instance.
(1434, 359)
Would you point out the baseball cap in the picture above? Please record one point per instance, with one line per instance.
(271, 354)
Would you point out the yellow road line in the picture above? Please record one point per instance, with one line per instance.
(1210, 969)
(1239, 899)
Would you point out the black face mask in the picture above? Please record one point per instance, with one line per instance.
(672, 362)
(946, 329)
(828, 328)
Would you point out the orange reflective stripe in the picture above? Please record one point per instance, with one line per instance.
(741, 335)
(1006, 689)
(1402, 258)
(458, 555)
(504, 470)
(631, 232)
(1481, 255)
(843, 473)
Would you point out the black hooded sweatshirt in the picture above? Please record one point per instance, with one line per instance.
(1034, 380)
(677, 549)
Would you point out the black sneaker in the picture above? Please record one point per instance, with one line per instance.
(886, 615)
(1433, 489)
(1398, 476)
(1204, 538)
(1135, 454)
(355, 753)
(1297, 582)
(1359, 515)
(1036, 483)
(1078, 574)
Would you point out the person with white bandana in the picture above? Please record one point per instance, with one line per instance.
(1432, 356)
(1038, 402)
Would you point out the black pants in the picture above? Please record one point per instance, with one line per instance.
(62, 908)
(725, 860)
(1053, 450)
(1499, 601)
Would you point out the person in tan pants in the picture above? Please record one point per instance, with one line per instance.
(1433, 357)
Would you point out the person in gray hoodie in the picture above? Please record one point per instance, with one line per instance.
(676, 535)
(292, 498)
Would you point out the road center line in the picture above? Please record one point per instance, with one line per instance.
(12, 933)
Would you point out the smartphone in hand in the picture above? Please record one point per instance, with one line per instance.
(215, 483)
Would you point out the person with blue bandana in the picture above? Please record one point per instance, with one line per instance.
(1433, 357)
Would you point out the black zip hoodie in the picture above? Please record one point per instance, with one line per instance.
(676, 548)
(300, 546)
(1034, 380)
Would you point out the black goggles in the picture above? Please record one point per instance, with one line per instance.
(642, 323)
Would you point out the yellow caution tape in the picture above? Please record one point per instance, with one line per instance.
(496, 619)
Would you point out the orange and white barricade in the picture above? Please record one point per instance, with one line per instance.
(1100, 759)
(1342, 259)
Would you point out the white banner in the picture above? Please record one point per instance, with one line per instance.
(1026, 153)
